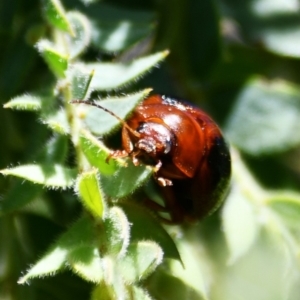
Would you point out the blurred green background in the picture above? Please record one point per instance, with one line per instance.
(238, 60)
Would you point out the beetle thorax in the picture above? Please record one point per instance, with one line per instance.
(156, 139)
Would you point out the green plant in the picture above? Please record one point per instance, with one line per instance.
(110, 240)
(99, 246)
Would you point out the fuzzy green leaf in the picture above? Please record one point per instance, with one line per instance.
(264, 117)
(56, 15)
(97, 154)
(48, 175)
(86, 262)
(81, 37)
(287, 206)
(239, 223)
(194, 276)
(104, 291)
(90, 193)
(139, 293)
(109, 76)
(50, 263)
(56, 61)
(146, 227)
(80, 79)
(57, 121)
(81, 235)
(125, 180)
(141, 260)
(25, 102)
(117, 229)
(101, 122)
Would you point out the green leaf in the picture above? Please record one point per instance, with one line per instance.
(240, 223)
(141, 260)
(79, 247)
(48, 175)
(264, 117)
(139, 293)
(56, 16)
(287, 207)
(116, 37)
(125, 180)
(48, 265)
(80, 39)
(275, 26)
(40, 206)
(56, 61)
(110, 76)
(164, 285)
(97, 153)
(90, 193)
(117, 229)
(101, 122)
(57, 121)
(25, 102)
(81, 235)
(80, 79)
(18, 196)
(116, 28)
(103, 291)
(146, 227)
(195, 277)
(86, 262)
(55, 150)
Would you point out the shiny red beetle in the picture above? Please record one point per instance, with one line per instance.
(192, 161)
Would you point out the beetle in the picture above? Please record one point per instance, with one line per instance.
(191, 159)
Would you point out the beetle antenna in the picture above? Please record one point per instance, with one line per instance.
(134, 132)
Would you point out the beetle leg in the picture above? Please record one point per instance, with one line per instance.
(176, 215)
(163, 181)
(116, 154)
(134, 158)
(157, 166)
(135, 161)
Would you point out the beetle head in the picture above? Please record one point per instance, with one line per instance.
(155, 139)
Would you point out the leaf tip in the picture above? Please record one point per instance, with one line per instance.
(147, 91)
(22, 280)
(4, 171)
(166, 52)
